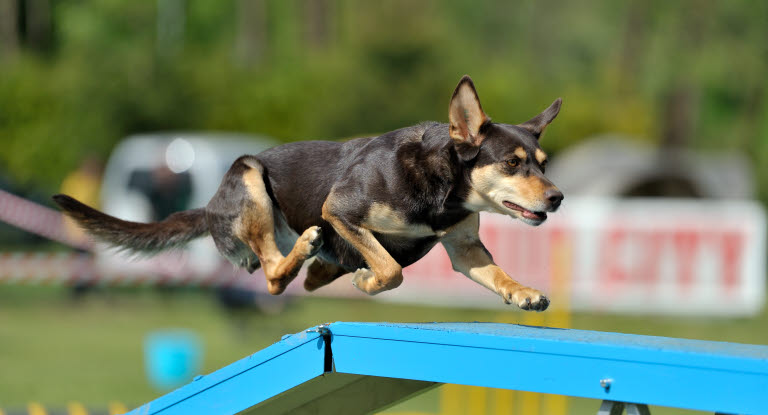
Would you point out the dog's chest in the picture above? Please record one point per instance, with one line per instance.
(385, 220)
(406, 251)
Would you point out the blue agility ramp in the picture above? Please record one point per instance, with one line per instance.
(357, 368)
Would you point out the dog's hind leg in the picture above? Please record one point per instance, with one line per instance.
(256, 227)
(320, 273)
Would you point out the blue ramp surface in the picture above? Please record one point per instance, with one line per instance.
(363, 367)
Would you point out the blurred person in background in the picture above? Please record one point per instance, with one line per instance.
(167, 192)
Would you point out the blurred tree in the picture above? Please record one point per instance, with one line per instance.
(251, 31)
(171, 21)
(317, 18)
(9, 31)
(38, 22)
(690, 73)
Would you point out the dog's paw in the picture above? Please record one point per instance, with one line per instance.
(362, 279)
(276, 287)
(527, 299)
(313, 240)
(368, 282)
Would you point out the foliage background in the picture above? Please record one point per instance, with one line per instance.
(330, 69)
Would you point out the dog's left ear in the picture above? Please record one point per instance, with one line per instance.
(466, 117)
(537, 124)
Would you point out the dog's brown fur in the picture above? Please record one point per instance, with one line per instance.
(370, 206)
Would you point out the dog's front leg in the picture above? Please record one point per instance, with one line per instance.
(469, 256)
(384, 273)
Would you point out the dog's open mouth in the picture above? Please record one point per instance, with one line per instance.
(525, 212)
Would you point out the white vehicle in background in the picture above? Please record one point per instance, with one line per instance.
(148, 176)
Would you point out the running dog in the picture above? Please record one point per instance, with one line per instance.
(369, 206)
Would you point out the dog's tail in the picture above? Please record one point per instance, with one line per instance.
(140, 238)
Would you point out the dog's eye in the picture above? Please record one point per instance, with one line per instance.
(514, 163)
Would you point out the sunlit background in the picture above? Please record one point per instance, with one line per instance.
(139, 107)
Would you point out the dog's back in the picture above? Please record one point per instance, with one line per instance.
(300, 175)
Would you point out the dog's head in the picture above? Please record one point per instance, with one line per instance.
(505, 163)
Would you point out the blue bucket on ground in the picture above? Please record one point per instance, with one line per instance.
(172, 357)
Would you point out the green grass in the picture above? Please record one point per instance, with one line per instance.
(54, 350)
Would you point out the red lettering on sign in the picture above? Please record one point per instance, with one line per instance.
(647, 268)
(686, 244)
(732, 250)
(613, 273)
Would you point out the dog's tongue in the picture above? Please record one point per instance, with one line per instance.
(525, 212)
(534, 215)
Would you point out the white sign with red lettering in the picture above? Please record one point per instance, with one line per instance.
(630, 255)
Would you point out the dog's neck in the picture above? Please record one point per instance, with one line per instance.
(449, 172)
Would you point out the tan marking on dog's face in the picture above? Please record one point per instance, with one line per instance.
(520, 153)
(541, 157)
(384, 219)
(491, 187)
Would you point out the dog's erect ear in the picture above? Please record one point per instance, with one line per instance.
(537, 124)
(465, 114)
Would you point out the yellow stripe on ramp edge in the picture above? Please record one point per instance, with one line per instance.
(451, 399)
(477, 400)
(116, 408)
(76, 408)
(504, 399)
(408, 413)
(35, 408)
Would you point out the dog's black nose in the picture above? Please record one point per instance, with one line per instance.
(555, 197)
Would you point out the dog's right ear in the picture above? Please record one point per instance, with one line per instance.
(537, 124)
(466, 118)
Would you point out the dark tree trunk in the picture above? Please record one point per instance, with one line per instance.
(38, 22)
(251, 31)
(9, 29)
